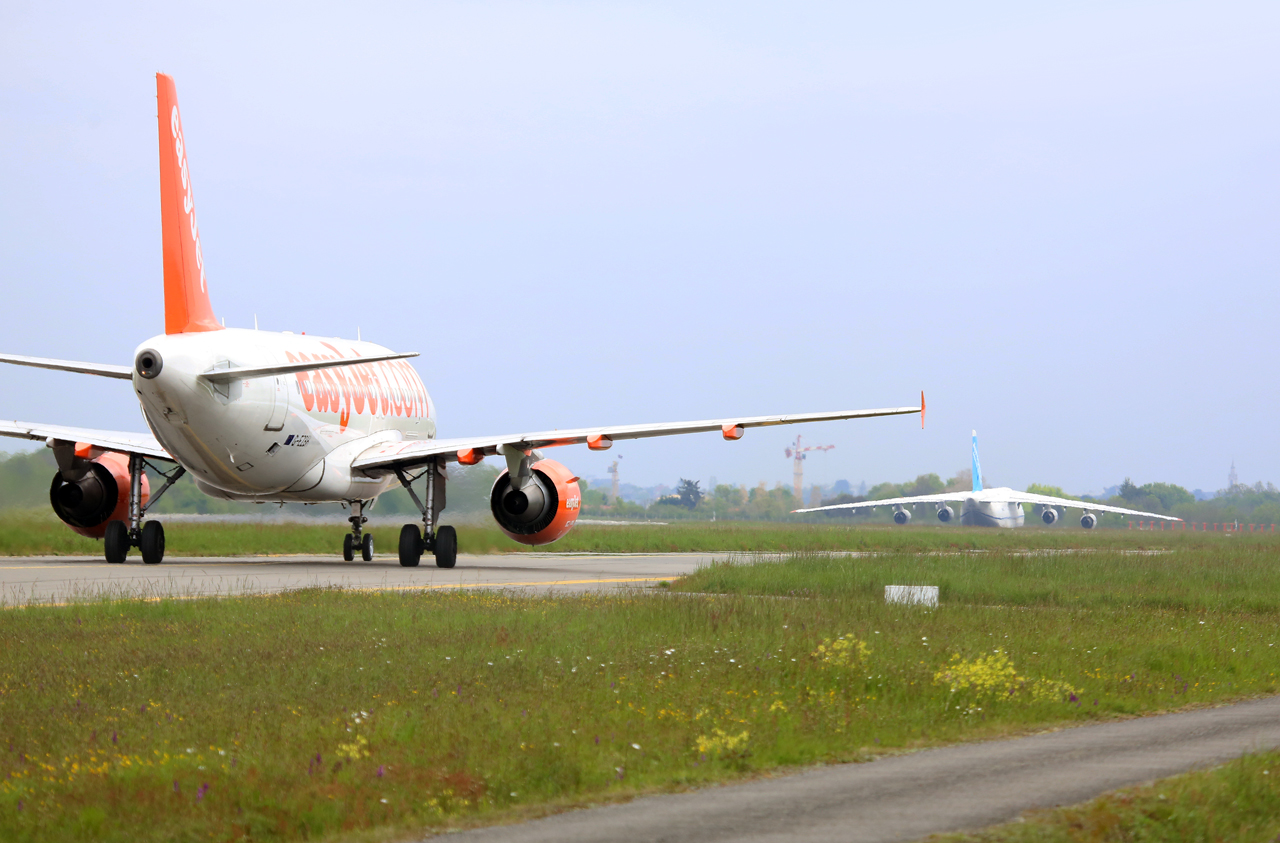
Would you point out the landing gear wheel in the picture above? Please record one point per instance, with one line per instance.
(152, 543)
(348, 548)
(366, 548)
(410, 546)
(446, 547)
(116, 542)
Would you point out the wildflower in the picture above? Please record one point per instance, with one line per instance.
(845, 651)
(635, 746)
(176, 789)
(381, 772)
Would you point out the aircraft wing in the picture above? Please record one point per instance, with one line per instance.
(945, 497)
(1049, 500)
(389, 457)
(112, 440)
(105, 370)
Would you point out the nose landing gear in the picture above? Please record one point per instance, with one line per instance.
(357, 539)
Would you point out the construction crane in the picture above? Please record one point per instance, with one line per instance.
(797, 453)
(613, 472)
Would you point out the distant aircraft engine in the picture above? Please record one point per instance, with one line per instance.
(95, 492)
(543, 511)
(945, 514)
(1088, 520)
(1049, 515)
(901, 516)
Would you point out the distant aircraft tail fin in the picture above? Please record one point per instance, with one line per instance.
(977, 468)
(186, 298)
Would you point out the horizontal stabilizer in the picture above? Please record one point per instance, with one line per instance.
(105, 370)
(246, 372)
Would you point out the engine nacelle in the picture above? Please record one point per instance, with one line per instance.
(97, 492)
(901, 516)
(945, 514)
(1049, 515)
(1088, 520)
(544, 511)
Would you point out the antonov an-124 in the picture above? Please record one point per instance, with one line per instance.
(990, 507)
(277, 417)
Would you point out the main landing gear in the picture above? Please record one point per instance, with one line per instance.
(357, 539)
(442, 542)
(147, 537)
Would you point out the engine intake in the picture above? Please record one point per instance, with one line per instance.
(1049, 515)
(945, 514)
(901, 516)
(542, 512)
(1088, 520)
(97, 492)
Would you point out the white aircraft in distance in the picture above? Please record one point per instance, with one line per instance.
(276, 417)
(991, 507)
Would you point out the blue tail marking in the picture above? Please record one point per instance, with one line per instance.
(977, 469)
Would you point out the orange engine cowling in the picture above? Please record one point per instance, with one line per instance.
(543, 512)
(98, 492)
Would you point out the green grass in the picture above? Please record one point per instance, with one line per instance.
(1239, 801)
(39, 533)
(294, 717)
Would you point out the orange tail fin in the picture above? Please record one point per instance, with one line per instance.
(186, 299)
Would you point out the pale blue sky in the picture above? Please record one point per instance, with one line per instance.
(1060, 221)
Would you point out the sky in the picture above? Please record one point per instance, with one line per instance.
(1059, 221)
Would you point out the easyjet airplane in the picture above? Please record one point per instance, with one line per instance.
(275, 417)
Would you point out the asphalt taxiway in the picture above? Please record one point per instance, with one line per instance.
(62, 578)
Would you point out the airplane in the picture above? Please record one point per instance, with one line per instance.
(991, 507)
(281, 417)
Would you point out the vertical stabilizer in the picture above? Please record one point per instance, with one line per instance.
(186, 298)
(977, 469)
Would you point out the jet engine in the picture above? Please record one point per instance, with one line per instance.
(901, 516)
(544, 510)
(1088, 520)
(945, 514)
(93, 490)
(1049, 515)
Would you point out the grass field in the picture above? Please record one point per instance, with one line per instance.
(1239, 801)
(326, 713)
(39, 533)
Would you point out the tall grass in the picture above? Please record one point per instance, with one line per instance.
(312, 713)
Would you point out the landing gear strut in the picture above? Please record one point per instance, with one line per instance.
(357, 539)
(442, 542)
(147, 537)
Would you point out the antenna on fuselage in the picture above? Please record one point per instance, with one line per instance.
(255, 321)
(357, 333)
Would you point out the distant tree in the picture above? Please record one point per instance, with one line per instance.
(925, 484)
(1051, 491)
(1169, 495)
(688, 493)
(1129, 490)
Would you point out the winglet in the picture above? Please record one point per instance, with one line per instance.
(977, 468)
(186, 298)
(922, 409)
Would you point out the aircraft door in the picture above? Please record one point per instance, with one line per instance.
(280, 404)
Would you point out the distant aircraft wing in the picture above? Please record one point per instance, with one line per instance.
(389, 457)
(112, 440)
(945, 497)
(1049, 500)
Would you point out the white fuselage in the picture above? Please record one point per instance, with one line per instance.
(991, 508)
(287, 437)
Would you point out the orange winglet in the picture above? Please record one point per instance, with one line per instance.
(922, 409)
(732, 432)
(599, 442)
(186, 299)
(470, 456)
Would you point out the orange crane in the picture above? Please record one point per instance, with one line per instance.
(797, 453)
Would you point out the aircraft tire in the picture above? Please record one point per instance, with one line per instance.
(366, 548)
(446, 547)
(152, 543)
(348, 548)
(115, 543)
(410, 546)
